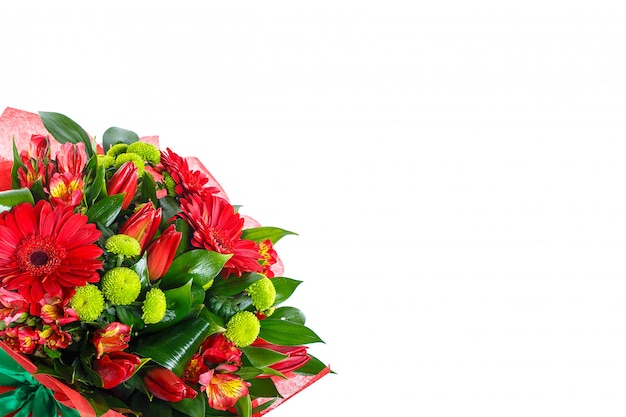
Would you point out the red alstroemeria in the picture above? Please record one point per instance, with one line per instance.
(218, 227)
(143, 224)
(124, 180)
(54, 338)
(21, 338)
(54, 310)
(217, 352)
(297, 355)
(113, 338)
(165, 385)
(36, 161)
(223, 389)
(116, 367)
(71, 158)
(13, 306)
(47, 250)
(188, 182)
(160, 253)
(268, 257)
(66, 189)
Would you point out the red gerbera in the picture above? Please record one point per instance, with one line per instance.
(47, 250)
(218, 227)
(187, 181)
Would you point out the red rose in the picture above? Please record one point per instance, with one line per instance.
(115, 368)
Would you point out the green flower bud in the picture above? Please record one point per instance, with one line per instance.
(243, 328)
(121, 286)
(263, 293)
(123, 245)
(154, 306)
(88, 302)
(146, 151)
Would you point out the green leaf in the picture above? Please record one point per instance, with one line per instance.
(114, 135)
(244, 406)
(169, 207)
(233, 285)
(141, 268)
(263, 387)
(173, 348)
(11, 198)
(284, 288)
(287, 333)
(94, 181)
(259, 234)
(199, 265)
(64, 129)
(131, 316)
(191, 407)
(106, 210)
(17, 163)
(262, 357)
(148, 188)
(313, 367)
(292, 314)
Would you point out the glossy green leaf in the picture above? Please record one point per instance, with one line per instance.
(284, 288)
(148, 188)
(191, 407)
(64, 129)
(141, 268)
(283, 332)
(199, 265)
(11, 198)
(105, 211)
(290, 314)
(233, 285)
(263, 387)
(262, 357)
(313, 367)
(259, 234)
(174, 347)
(114, 135)
(244, 406)
(94, 181)
(131, 316)
(170, 208)
(17, 163)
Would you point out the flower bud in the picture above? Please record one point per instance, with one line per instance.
(115, 368)
(165, 385)
(143, 224)
(124, 181)
(162, 251)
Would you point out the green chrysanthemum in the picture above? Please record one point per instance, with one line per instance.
(134, 158)
(106, 161)
(147, 151)
(88, 302)
(170, 184)
(243, 328)
(123, 245)
(263, 293)
(121, 286)
(117, 149)
(154, 306)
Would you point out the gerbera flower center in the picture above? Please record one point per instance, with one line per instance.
(221, 243)
(38, 255)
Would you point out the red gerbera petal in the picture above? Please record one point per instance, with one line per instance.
(47, 250)
(187, 181)
(218, 227)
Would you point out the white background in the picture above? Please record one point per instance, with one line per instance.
(455, 171)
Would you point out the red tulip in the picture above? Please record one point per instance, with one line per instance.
(115, 368)
(143, 224)
(297, 355)
(124, 181)
(165, 385)
(160, 253)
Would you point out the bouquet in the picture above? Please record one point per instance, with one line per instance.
(130, 285)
